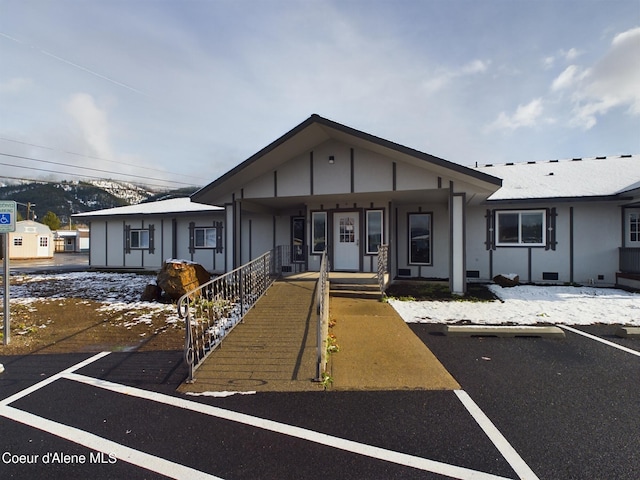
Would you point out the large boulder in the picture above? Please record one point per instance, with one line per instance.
(178, 277)
(507, 279)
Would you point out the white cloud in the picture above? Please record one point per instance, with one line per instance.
(567, 78)
(524, 116)
(571, 54)
(445, 76)
(92, 123)
(614, 81)
(15, 85)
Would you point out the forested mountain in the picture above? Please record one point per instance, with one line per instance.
(67, 198)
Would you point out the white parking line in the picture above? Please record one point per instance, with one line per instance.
(501, 443)
(448, 470)
(99, 444)
(53, 378)
(601, 340)
(175, 470)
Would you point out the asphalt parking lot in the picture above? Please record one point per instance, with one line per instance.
(562, 409)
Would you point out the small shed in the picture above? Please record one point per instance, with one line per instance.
(72, 241)
(30, 240)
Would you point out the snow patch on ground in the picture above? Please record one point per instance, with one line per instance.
(117, 292)
(530, 305)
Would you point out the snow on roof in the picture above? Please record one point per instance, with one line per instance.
(173, 205)
(588, 177)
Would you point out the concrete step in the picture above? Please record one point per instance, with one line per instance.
(357, 290)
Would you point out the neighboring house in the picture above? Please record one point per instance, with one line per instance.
(30, 240)
(142, 236)
(324, 185)
(569, 221)
(71, 241)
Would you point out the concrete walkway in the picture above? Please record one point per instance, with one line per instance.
(378, 350)
(275, 348)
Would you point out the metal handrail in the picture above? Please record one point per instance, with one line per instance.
(213, 309)
(383, 267)
(322, 329)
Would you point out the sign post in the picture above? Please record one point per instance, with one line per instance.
(7, 225)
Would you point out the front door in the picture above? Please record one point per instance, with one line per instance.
(346, 241)
(43, 246)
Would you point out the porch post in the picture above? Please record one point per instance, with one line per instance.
(229, 234)
(457, 263)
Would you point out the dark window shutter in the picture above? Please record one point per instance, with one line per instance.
(490, 241)
(152, 229)
(219, 227)
(127, 239)
(192, 238)
(551, 229)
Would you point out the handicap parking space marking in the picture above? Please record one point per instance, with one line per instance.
(601, 340)
(176, 470)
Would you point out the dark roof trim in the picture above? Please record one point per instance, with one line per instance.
(596, 198)
(315, 118)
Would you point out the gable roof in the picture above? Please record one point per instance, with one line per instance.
(312, 132)
(596, 178)
(173, 205)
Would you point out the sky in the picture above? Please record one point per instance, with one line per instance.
(176, 93)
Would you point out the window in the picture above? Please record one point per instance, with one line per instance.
(347, 233)
(44, 241)
(634, 227)
(420, 238)
(17, 241)
(374, 231)
(525, 227)
(139, 238)
(319, 231)
(205, 237)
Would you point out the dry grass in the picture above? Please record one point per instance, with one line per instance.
(63, 325)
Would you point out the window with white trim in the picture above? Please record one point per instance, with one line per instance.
(17, 241)
(139, 239)
(205, 237)
(521, 227)
(634, 227)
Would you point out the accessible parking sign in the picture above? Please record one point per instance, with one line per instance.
(7, 216)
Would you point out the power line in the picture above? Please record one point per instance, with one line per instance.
(72, 174)
(88, 156)
(82, 168)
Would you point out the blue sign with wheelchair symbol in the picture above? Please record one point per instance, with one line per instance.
(7, 216)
